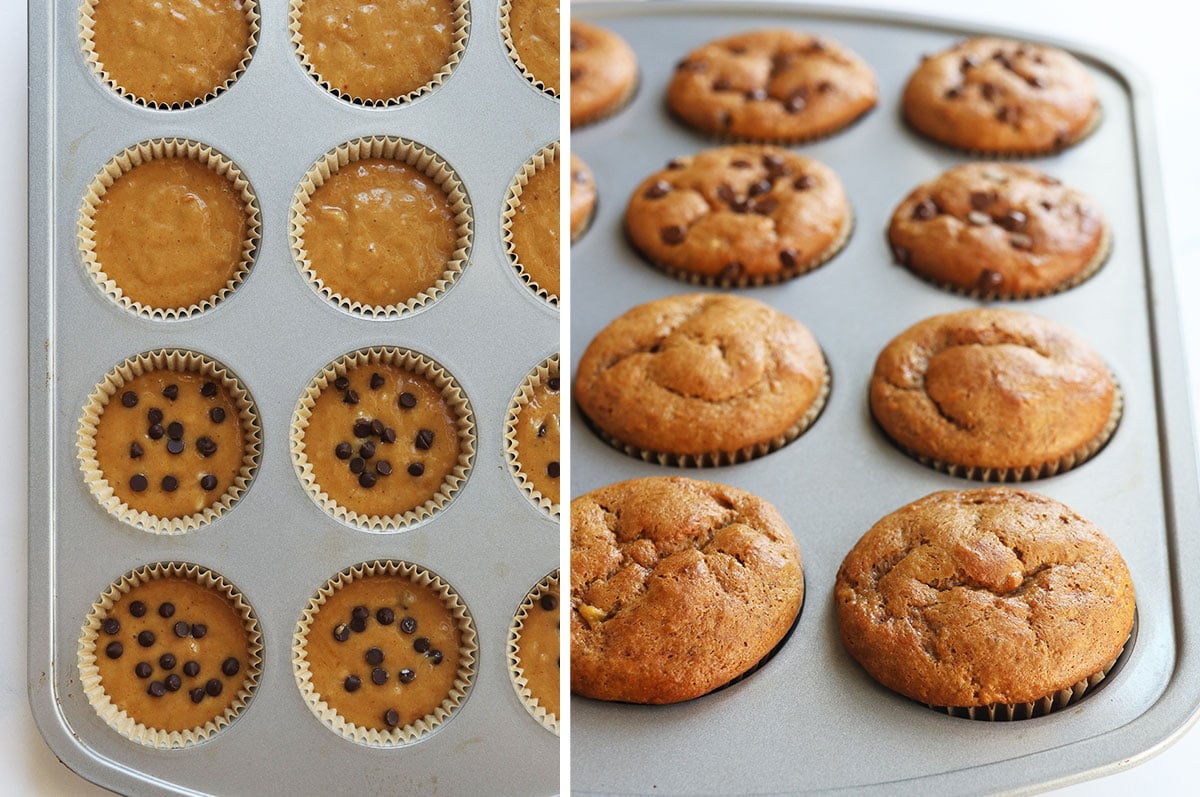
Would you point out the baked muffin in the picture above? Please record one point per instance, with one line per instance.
(531, 223)
(771, 85)
(1002, 97)
(999, 602)
(995, 395)
(531, 33)
(604, 73)
(702, 379)
(533, 652)
(739, 216)
(583, 198)
(999, 231)
(700, 575)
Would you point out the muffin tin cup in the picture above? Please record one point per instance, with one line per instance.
(512, 202)
(462, 29)
(89, 673)
(110, 386)
(422, 728)
(514, 55)
(135, 156)
(546, 369)
(515, 671)
(87, 31)
(403, 151)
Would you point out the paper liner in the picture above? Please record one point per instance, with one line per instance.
(89, 671)
(111, 384)
(413, 362)
(136, 155)
(1030, 472)
(520, 683)
(611, 110)
(511, 48)
(87, 30)
(423, 160)
(422, 728)
(982, 154)
(512, 201)
(462, 25)
(758, 280)
(716, 459)
(546, 369)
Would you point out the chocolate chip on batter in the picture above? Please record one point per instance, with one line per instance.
(407, 676)
(388, 435)
(722, 84)
(424, 439)
(191, 668)
(366, 450)
(341, 632)
(114, 650)
(167, 661)
(383, 467)
(217, 415)
(341, 382)
(1035, 82)
(156, 689)
(552, 470)
(391, 718)
(759, 188)
(358, 625)
(230, 667)
(953, 93)
(213, 687)
(199, 630)
(350, 397)
(136, 450)
(208, 482)
(416, 469)
(357, 465)
(756, 95)
(901, 255)
(173, 682)
(111, 625)
(373, 656)
(407, 400)
(766, 206)
(155, 415)
(657, 190)
(129, 399)
(138, 482)
(170, 484)
(673, 234)
(343, 450)
(145, 638)
(208, 389)
(197, 694)
(377, 381)
(548, 602)
(367, 480)
(175, 446)
(541, 432)
(988, 90)
(143, 669)
(379, 676)
(182, 629)
(421, 644)
(360, 612)
(553, 383)
(385, 616)
(156, 431)
(408, 625)
(352, 683)
(166, 609)
(1006, 113)
(171, 392)
(434, 656)
(137, 609)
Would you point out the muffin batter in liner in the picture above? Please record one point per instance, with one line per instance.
(545, 370)
(520, 683)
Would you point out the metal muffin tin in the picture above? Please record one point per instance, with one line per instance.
(811, 720)
(275, 333)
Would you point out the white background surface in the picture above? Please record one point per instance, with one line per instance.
(1155, 36)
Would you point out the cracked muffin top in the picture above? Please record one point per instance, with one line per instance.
(678, 586)
(993, 394)
(702, 379)
(1001, 96)
(982, 597)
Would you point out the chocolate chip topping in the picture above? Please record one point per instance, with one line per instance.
(357, 465)
(1013, 221)
(155, 431)
(383, 467)
(137, 609)
(421, 644)
(373, 656)
(138, 482)
(175, 430)
(366, 450)
(367, 480)
(358, 625)
(191, 668)
(171, 392)
(217, 415)
(213, 687)
(377, 381)
(552, 469)
(156, 689)
(424, 439)
(416, 470)
(230, 666)
(407, 676)
(990, 281)
(154, 415)
(408, 625)
(111, 625)
(143, 669)
(924, 210)
(362, 427)
(208, 482)
(435, 657)
(407, 400)
(379, 676)
(136, 450)
(657, 190)
(129, 399)
(182, 629)
(145, 638)
(391, 718)
(114, 650)
(173, 682)
(175, 446)
(166, 609)
(341, 632)
(553, 383)
(673, 235)
(350, 397)
(167, 661)
(352, 683)
(199, 631)
(197, 694)
(385, 616)
(548, 602)
(170, 483)
(208, 389)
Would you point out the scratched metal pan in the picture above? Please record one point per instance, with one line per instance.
(811, 719)
(492, 544)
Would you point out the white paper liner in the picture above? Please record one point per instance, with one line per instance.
(511, 48)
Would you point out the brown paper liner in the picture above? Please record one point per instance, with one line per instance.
(111, 384)
(1040, 470)
(511, 48)
(127, 160)
(87, 31)
(716, 459)
(423, 160)
(89, 672)
(462, 25)
(512, 200)
(544, 370)
(520, 683)
(422, 728)
(414, 363)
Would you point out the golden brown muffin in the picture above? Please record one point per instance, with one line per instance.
(984, 597)
(995, 395)
(1002, 97)
(604, 73)
(530, 29)
(583, 198)
(999, 231)
(678, 587)
(771, 85)
(532, 223)
(702, 379)
(740, 215)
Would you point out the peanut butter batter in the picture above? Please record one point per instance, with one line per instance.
(171, 51)
(537, 649)
(379, 232)
(404, 659)
(402, 462)
(170, 457)
(537, 438)
(170, 232)
(535, 228)
(533, 26)
(378, 51)
(172, 653)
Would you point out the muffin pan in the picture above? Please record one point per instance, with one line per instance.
(811, 719)
(274, 332)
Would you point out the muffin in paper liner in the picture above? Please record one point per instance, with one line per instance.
(127, 161)
(87, 37)
(409, 364)
(544, 375)
(408, 153)
(461, 12)
(546, 156)
(110, 387)
(463, 677)
(543, 592)
(97, 637)
(549, 81)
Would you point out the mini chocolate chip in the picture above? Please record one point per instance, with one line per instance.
(367, 480)
(213, 687)
(577, 73)
(552, 470)
(416, 469)
(672, 235)
(953, 93)
(990, 280)
(114, 650)
(756, 95)
(175, 446)
(155, 415)
(377, 427)
(167, 661)
(350, 397)
(341, 632)
(825, 86)
(733, 270)
(362, 427)
(408, 625)
(191, 668)
(182, 630)
(775, 164)
(208, 389)
(170, 484)
(111, 625)
(407, 400)
(553, 383)
(137, 609)
(357, 465)
(197, 694)
(385, 616)
(675, 164)
(968, 62)
(407, 676)
(766, 206)
(982, 200)
(373, 656)
(231, 666)
(166, 609)
(759, 188)
(424, 440)
(145, 638)
(988, 90)
(383, 467)
(360, 612)
(1005, 114)
(217, 415)
(173, 682)
(391, 718)
(789, 257)
(156, 431)
(1035, 81)
(725, 193)
(343, 450)
(548, 602)
(795, 103)
(924, 210)
(804, 182)
(208, 482)
(199, 631)
(379, 676)
(1013, 221)
(129, 399)
(978, 218)
(722, 84)
(358, 625)
(138, 482)
(171, 392)
(657, 190)
(341, 383)
(1021, 241)
(352, 683)
(377, 381)
(388, 435)
(143, 669)
(742, 205)
(434, 656)
(542, 430)
(366, 450)
(156, 689)
(175, 430)
(136, 450)
(421, 644)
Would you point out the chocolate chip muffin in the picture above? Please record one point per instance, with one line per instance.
(701, 380)
(999, 602)
(999, 231)
(1002, 97)
(604, 73)
(771, 85)
(739, 216)
(678, 587)
(995, 395)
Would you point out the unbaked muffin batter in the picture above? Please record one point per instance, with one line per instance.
(535, 228)
(537, 649)
(537, 438)
(533, 26)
